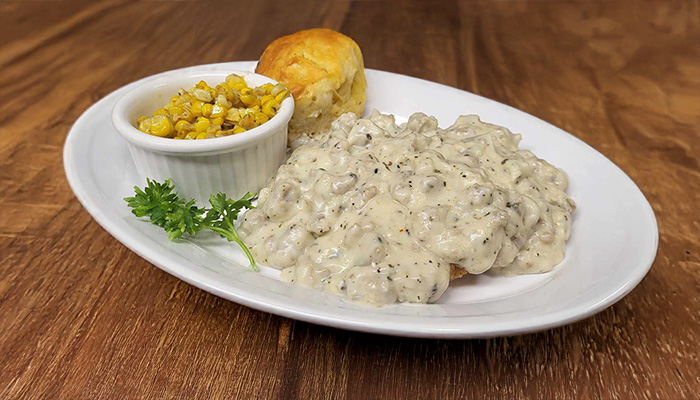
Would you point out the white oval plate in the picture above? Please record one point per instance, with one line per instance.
(612, 246)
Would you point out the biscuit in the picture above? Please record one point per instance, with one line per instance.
(324, 72)
(456, 272)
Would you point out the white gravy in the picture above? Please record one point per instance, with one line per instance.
(378, 212)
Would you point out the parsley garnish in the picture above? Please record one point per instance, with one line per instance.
(165, 208)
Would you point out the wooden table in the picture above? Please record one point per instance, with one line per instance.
(82, 317)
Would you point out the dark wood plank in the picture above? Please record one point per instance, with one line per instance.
(83, 317)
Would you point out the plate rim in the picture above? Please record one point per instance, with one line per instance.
(525, 325)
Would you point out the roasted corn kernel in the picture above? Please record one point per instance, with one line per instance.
(260, 118)
(236, 82)
(281, 96)
(218, 111)
(248, 97)
(201, 124)
(196, 108)
(266, 98)
(206, 109)
(145, 124)
(201, 94)
(247, 122)
(270, 108)
(183, 126)
(161, 125)
(276, 89)
(203, 112)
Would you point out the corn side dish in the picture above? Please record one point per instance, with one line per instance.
(203, 112)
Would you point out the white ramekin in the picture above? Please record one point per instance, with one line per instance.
(233, 164)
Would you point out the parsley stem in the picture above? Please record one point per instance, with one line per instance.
(232, 236)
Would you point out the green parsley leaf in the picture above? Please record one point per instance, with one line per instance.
(165, 208)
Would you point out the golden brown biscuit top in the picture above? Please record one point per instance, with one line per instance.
(301, 59)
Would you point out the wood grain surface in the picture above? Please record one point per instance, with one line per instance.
(82, 317)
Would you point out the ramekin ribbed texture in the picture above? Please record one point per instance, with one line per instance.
(235, 172)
